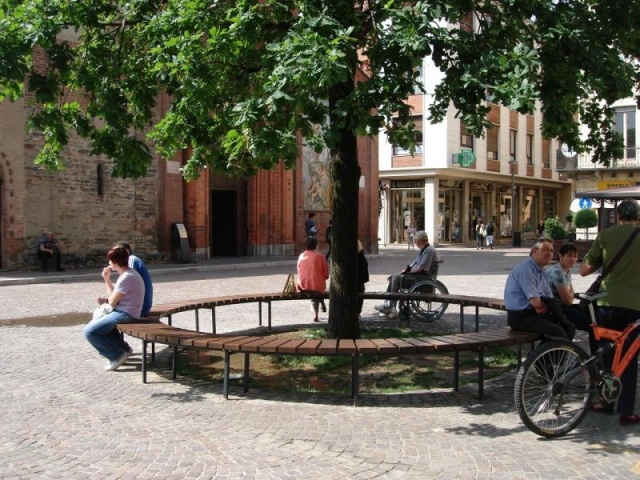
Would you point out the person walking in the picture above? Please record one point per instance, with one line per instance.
(480, 232)
(411, 232)
(621, 306)
(313, 272)
(489, 231)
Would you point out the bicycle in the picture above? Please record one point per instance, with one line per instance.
(424, 310)
(559, 381)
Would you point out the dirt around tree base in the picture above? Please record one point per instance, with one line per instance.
(378, 374)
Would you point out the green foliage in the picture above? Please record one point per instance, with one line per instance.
(553, 228)
(245, 78)
(585, 218)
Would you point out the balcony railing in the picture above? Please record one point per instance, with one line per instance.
(583, 161)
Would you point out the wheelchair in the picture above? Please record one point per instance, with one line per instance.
(422, 310)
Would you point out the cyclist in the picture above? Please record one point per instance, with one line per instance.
(422, 264)
(621, 306)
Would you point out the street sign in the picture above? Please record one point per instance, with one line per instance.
(585, 202)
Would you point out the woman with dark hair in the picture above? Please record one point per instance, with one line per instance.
(125, 298)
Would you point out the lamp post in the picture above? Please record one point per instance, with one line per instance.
(515, 236)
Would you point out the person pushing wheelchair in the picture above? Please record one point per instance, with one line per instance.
(404, 279)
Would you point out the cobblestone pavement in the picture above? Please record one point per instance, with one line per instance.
(63, 416)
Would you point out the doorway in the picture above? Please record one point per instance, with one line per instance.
(224, 223)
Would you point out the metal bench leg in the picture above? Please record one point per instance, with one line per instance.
(355, 380)
(245, 378)
(477, 318)
(197, 320)
(260, 313)
(456, 371)
(225, 375)
(481, 373)
(461, 318)
(153, 352)
(174, 363)
(213, 320)
(269, 314)
(144, 361)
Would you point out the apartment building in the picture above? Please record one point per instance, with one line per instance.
(454, 179)
(606, 181)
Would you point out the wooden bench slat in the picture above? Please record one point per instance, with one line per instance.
(309, 347)
(347, 346)
(291, 346)
(327, 347)
(272, 346)
(384, 346)
(402, 345)
(255, 344)
(365, 346)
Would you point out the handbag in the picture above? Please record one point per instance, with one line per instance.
(290, 284)
(595, 286)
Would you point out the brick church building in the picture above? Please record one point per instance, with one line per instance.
(88, 210)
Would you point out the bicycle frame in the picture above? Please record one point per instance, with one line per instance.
(619, 338)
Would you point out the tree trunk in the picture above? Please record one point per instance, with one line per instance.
(345, 177)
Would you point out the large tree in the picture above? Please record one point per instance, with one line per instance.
(246, 78)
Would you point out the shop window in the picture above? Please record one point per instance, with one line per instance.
(398, 150)
(466, 139)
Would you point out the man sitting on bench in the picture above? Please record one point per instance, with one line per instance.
(421, 265)
(48, 249)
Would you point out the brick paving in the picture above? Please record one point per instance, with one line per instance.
(63, 416)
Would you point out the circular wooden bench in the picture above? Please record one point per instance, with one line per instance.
(153, 330)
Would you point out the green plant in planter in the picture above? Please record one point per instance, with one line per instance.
(586, 218)
(554, 229)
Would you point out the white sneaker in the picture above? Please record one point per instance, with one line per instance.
(393, 312)
(113, 365)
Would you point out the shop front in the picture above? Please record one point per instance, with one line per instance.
(450, 208)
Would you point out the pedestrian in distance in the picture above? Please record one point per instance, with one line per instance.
(310, 228)
(621, 306)
(480, 232)
(328, 238)
(313, 273)
(362, 266)
(489, 232)
(411, 232)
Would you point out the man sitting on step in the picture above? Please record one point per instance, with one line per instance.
(421, 265)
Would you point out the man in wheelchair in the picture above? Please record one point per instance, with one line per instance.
(411, 274)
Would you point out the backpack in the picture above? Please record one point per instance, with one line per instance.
(489, 229)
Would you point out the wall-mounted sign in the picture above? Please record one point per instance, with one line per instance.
(396, 184)
(608, 184)
(466, 158)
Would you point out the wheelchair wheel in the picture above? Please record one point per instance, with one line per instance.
(554, 389)
(428, 310)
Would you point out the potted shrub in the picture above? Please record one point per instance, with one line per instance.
(554, 229)
(585, 218)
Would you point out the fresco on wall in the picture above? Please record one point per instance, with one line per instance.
(316, 183)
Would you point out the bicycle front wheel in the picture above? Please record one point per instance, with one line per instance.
(554, 388)
(428, 310)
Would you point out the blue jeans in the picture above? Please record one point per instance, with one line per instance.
(105, 337)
